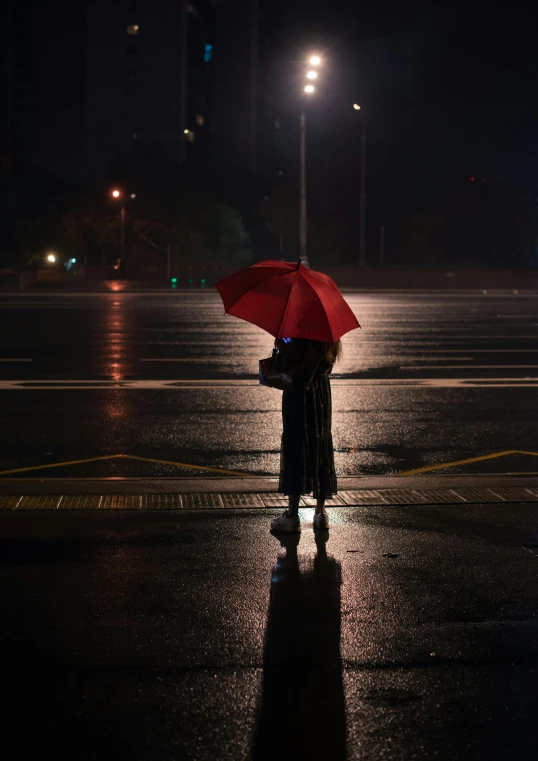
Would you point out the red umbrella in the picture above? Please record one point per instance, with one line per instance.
(288, 301)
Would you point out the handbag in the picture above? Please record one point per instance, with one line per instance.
(271, 374)
(265, 367)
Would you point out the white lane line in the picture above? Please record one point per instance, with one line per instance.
(15, 359)
(448, 337)
(182, 385)
(469, 367)
(476, 351)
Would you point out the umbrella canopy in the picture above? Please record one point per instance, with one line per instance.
(288, 301)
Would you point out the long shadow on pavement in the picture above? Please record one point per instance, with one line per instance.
(302, 713)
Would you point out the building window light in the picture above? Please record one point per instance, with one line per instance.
(132, 29)
(189, 135)
(199, 120)
(208, 53)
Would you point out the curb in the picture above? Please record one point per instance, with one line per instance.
(266, 500)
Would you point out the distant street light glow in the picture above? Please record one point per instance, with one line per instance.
(312, 75)
(116, 193)
(51, 258)
(309, 88)
(73, 261)
(315, 60)
(356, 107)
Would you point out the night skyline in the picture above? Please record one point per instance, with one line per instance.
(446, 94)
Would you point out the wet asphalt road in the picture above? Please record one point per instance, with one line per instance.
(409, 635)
(430, 378)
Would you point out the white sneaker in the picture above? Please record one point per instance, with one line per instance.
(285, 523)
(321, 520)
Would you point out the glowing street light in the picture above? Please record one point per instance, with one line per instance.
(356, 107)
(309, 88)
(312, 75)
(51, 258)
(315, 60)
(117, 194)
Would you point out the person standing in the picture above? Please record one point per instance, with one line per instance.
(307, 454)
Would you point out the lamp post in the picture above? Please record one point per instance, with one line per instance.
(302, 198)
(117, 195)
(311, 75)
(362, 194)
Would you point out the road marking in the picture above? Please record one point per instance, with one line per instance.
(445, 335)
(195, 467)
(479, 351)
(208, 469)
(15, 359)
(469, 367)
(171, 384)
(443, 465)
(56, 464)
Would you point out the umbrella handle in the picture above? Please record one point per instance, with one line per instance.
(298, 265)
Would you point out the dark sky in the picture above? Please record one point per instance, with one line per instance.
(455, 81)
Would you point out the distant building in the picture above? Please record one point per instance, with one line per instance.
(147, 75)
(16, 82)
(188, 76)
(245, 119)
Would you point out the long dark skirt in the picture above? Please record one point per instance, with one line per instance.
(307, 455)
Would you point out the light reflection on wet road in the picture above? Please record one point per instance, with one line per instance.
(409, 636)
(377, 428)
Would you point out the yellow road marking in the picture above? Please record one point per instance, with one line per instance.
(221, 471)
(239, 474)
(186, 465)
(443, 465)
(57, 464)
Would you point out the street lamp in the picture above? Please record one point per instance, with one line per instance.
(117, 195)
(51, 258)
(362, 194)
(314, 60)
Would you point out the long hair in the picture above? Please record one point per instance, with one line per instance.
(333, 352)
